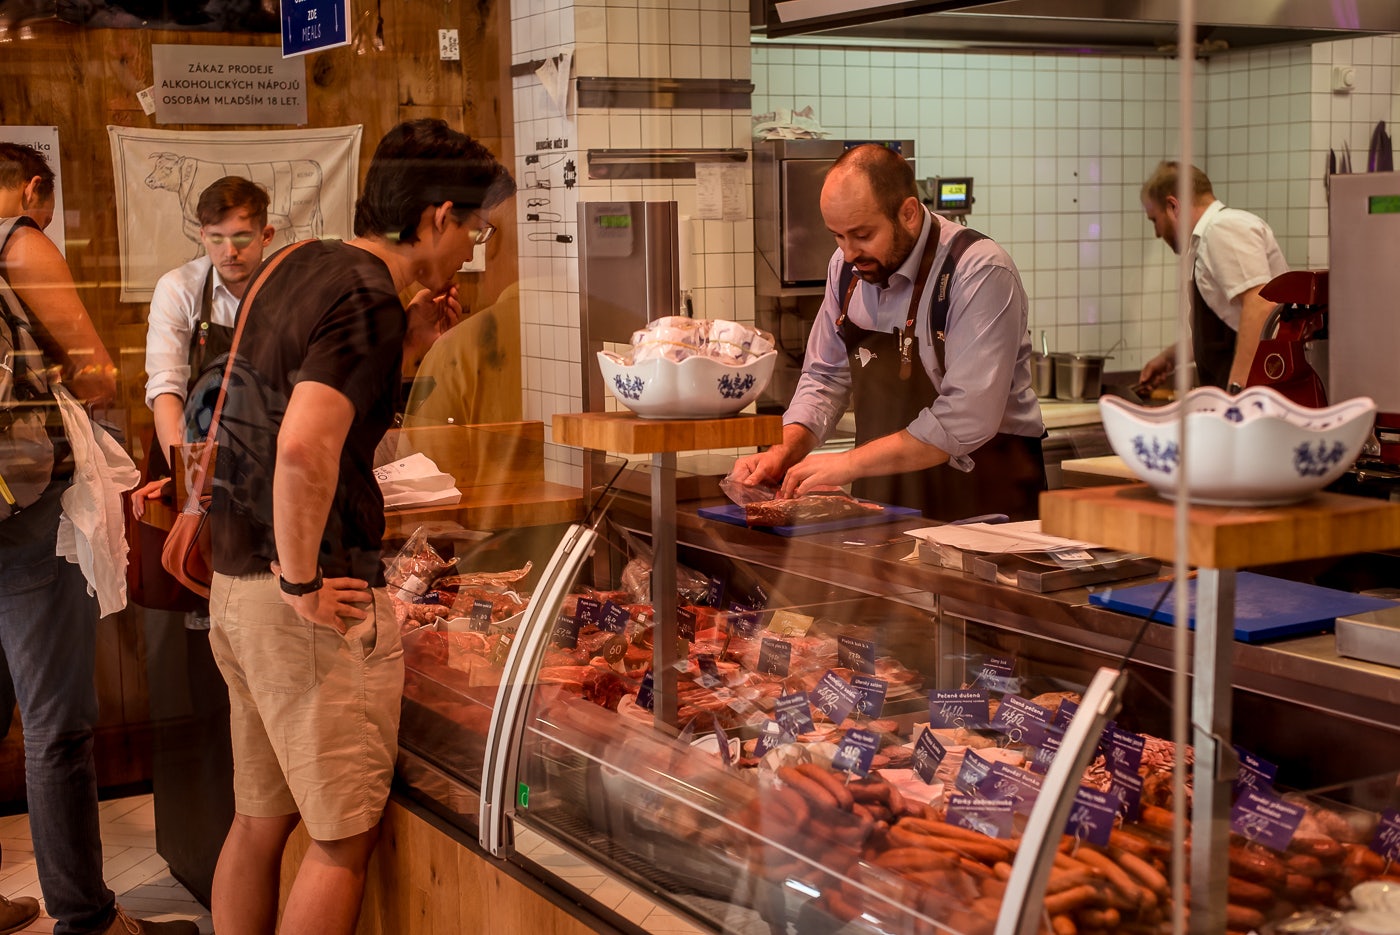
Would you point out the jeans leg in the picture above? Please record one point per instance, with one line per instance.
(48, 628)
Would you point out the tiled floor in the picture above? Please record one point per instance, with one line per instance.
(134, 871)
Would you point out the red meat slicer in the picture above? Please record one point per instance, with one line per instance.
(1301, 316)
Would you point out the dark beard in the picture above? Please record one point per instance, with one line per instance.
(903, 246)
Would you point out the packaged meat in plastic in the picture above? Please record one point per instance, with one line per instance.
(410, 573)
(743, 494)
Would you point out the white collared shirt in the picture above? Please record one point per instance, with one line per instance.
(1231, 252)
(175, 308)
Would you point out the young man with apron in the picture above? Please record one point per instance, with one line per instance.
(936, 366)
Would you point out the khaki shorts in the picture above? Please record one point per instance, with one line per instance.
(314, 714)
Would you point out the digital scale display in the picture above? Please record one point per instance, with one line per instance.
(1383, 204)
(614, 221)
(952, 195)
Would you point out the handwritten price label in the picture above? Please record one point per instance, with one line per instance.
(1020, 720)
(790, 623)
(974, 769)
(1008, 782)
(855, 752)
(928, 756)
(997, 674)
(1091, 816)
(794, 712)
(588, 613)
(870, 695)
(685, 624)
(1256, 772)
(646, 697)
(834, 697)
(614, 618)
(770, 735)
(565, 634)
(1265, 818)
(480, 619)
(855, 654)
(992, 817)
(1387, 839)
(774, 657)
(957, 708)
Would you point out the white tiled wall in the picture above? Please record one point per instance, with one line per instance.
(617, 38)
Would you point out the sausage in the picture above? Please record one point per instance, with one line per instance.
(975, 868)
(1306, 864)
(1061, 880)
(941, 829)
(916, 859)
(1002, 869)
(987, 851)
(1145, 873)
(1100, 918)
(1247, 892)
(896, 801)
(1320, 847)
(1063, 925)
(869, 790)
(811, 790)
(1259, 866)
(836, 902)
(790, 801)
(995, 887)
(830, 782)
(1361, 856)
(1245, 918)
(1158, 818)
(1116, 875)
(1298, 887)
(1071, 899)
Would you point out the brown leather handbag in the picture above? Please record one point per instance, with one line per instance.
(188, 554)
(147, 582)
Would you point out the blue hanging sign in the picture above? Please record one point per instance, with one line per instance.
(312, 25)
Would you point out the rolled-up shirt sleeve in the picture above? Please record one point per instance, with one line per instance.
(824, 389)
(168, 331)
(986, 326)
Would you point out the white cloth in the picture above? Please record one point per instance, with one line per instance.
(1231, 252)
(175, 309)
(92, 530)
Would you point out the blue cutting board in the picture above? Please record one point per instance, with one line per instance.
(1265, 608)
(734, 514)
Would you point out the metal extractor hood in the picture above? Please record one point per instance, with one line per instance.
(1124, 26)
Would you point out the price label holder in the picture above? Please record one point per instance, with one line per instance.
(992, 817)
(1064, 714)
(834, 697)
(565, 634)
(974, 769)
(1044, 754)
(855, 752)
(1021, 721)
(1265, 818)
(855, 654)
(774, 657)
(1128, 788)
(743, 622)
(870, 695)
(614, 618)
(1091, 816)
(1255, 773)
(479, 621)
(1009, 782)
(928, 756)
(958, 707)
(788, 623)
(794, 713)
(1122, 750)
(588, 612)
(998, 674)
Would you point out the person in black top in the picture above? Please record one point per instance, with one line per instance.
(302, 626)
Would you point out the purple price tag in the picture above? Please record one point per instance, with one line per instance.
(685, 624)
(758, 599)
(957, 708)
(974, 769)
(614, 618)
(997, 674)
(709, 671)
(645, 694)
(928, 754)
(1256, 773)
(1265, 818)
(834, 697)
(1008, 782)
(480, 619)
(774, 657)
(855, 752)
(1020, 720)
(794, 712)
(1387, 839)
(1064, 714)
(714, 595)
(870, 695)
(855, 654)
(1128, 788)
(1044, 754)
(726, 756)
(1123, 750)
(992, 817)
(743, 623)
(1091, 816)
(770, 735)
(565, 634)
(589, 612)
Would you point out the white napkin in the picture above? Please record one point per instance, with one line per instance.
(416, 481)
(555, 79)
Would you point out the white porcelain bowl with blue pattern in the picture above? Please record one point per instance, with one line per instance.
(694, 388)
(1257, 448)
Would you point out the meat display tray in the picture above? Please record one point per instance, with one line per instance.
(733, 514)
(1265, 608)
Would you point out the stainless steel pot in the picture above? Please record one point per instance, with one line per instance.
(1078, 377)
(1042, 374)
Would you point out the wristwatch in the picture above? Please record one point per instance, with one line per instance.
(297, 590)
(1234, 388)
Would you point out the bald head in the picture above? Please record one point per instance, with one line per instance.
(870, 204)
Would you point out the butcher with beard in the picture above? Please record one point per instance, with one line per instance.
(924, 331)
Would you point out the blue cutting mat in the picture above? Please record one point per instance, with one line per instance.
(734, 514)
(1265, 608)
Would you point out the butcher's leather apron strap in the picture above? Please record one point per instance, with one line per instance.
(208, 341)
(1212, 342)
(1010, 468)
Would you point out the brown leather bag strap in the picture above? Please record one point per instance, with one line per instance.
(198, 486)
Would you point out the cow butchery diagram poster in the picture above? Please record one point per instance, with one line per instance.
(310, 176)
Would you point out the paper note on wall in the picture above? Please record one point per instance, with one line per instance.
(719, 191)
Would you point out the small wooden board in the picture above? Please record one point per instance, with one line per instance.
(1134, 518)
(630, 434)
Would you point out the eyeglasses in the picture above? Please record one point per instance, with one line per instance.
(482, 234)
(240, 241)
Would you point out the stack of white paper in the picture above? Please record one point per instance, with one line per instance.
(416, 481)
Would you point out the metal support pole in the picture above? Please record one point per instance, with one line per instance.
(663, 588)
(1215, 768)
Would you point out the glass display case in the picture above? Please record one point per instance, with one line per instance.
(867, 744)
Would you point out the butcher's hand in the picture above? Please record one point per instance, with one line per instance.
(763, 467)
(1156, 371)
(151, 491)
(337, 600)
(818, 471)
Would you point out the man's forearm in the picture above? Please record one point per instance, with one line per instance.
(169, 413)
(896, 453)
(1254, 312)
(302, 488)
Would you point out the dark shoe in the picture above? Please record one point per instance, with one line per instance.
(17, 913)
(123, 924)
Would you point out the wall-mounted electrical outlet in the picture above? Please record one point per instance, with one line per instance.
(448, 50)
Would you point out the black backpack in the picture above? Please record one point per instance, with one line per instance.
(27, 406)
